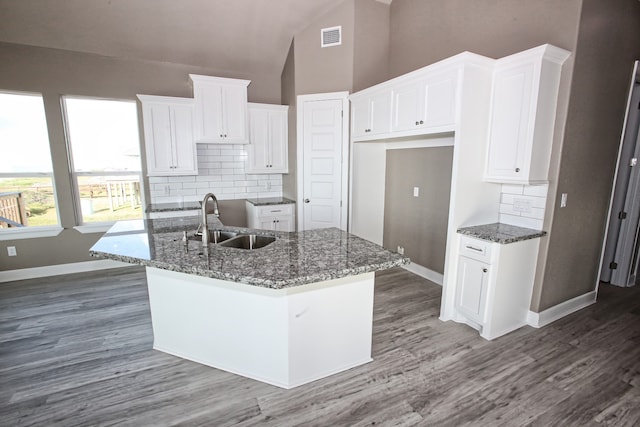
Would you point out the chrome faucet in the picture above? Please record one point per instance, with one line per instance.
(206, 239)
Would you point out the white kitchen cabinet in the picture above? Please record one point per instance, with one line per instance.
(494, 284)
(168, 135)
(523, 109)
(220, 109)
(268, 131)
(426, 102)
(471, 294)
(371, 114)
(280, 217)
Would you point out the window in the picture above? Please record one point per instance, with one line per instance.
(27, 193)
(104, 147)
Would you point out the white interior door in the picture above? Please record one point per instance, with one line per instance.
(323, 163)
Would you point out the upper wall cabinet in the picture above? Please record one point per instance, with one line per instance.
(168, 135)
(371, 114)
(427, 102)
(421, 102)
(220, 109)
(523, 110)
(268, 130)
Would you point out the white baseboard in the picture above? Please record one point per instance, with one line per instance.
(55, 270)
(538, 320)
(421, 271)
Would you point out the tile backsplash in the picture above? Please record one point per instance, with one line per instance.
(523, 205)
(222, 171)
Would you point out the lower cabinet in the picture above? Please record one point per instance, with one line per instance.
(271, 217)
(494, 284)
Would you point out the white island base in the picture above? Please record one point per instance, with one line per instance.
(284, 337)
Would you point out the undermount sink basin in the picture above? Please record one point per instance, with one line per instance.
(216, 236)
(248, 241)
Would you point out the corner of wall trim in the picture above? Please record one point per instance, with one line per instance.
(550, 315)
(55, 270)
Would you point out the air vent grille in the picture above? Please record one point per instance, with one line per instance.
(331, 36)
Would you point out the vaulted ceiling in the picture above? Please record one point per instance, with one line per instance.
(238, 36)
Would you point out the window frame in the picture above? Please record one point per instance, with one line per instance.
(29, 232)
(96, 226)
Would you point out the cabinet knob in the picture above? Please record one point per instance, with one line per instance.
(417, 123)
(421, 122)
(517, 169)
(484, 270)
(307, 200)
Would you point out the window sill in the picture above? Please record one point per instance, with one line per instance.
(98, 227)
(29, 233)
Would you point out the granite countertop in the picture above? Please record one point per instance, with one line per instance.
(266, 201)
(501, 233)
(294, 259)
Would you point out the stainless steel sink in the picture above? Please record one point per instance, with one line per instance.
(248, 241)
(216, 236)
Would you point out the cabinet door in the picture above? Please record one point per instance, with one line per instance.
(471, 289)
(284, 223)
(234, 113)
(360, 117)
(511, 128)
(182, 136)
(157, 138)
(408, 106)
(208, 111)
(278, 140)
(380, 113)
(259, 135)
(441, 99)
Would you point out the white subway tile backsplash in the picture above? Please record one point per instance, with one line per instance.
(221, 170)
(536, 190)
(534, 196)
(512, 189)
(521, 221)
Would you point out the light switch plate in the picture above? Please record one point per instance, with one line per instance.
(416, 191)
(563, 200)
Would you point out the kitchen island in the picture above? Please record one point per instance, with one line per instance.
(294, 311)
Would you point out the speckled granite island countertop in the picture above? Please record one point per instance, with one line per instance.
(501, 233)
(293, 259)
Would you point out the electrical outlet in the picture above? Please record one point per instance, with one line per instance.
(522, 205)
(11, 250)
(400, 250)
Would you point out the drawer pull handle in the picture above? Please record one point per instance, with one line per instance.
(474, 249)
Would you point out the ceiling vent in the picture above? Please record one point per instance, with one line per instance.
(331, 36)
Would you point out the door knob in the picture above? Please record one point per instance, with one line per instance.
(307, 200)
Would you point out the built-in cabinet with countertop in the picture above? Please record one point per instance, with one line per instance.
(168, 135)
(523, 110)
(221, 114)
(268, 135)
(495, 277)
(485, 109)
(275, 213)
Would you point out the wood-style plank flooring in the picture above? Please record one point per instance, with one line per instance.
(76, 350)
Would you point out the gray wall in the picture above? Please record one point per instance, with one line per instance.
(425, 31)
(419, 224)
(54, 73)
(330, 69)
(608, 44)
(371, 44)
(288, 96)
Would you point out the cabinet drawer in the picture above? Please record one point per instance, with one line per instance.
(275, 210)
(475, 248)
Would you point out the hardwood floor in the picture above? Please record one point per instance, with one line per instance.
(76, 351)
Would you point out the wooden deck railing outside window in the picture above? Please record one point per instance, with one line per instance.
(12, 210)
